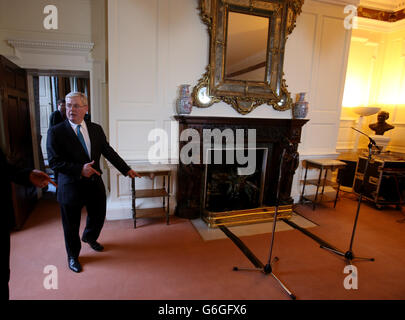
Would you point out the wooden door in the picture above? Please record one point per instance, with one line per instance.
(16, 137)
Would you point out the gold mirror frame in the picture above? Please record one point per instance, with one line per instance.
(246, 95)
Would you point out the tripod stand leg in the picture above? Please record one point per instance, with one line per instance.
(268, 270)
(264, 269)
(246, 251)
(246, 269)
(348, 255)
(292, 296)
(363, 259)
(333, 250)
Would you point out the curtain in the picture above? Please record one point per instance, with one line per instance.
(54, 92)
(73, 84)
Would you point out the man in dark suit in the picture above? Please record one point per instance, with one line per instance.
(74, 150)
(23, 176)
(59, 115)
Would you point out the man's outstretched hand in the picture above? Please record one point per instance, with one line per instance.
(132, 174)
(88, 170)
(40, 179)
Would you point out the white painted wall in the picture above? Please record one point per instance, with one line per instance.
(156, 45)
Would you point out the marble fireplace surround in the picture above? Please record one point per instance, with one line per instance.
(272, 134)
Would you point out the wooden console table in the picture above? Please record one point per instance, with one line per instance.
(151, 172)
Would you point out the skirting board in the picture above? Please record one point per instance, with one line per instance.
(118, 210)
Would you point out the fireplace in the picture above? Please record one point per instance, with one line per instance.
(217, 192)
(226, 189)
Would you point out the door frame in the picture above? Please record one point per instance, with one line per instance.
(31, 73)
(63, 56)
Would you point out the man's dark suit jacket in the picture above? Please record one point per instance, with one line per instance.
(55, 118)
(9, 173)
(66, 156)
(17, 175)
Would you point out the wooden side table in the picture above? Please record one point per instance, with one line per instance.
(151, 172)
(323, 165)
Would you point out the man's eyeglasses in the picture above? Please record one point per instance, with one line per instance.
(75, 106)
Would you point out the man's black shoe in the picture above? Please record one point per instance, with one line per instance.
(74, 264)
(94, 244)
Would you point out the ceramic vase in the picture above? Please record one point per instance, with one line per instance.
(184, 103)
(300, 107)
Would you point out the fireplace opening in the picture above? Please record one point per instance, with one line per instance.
(227, 187)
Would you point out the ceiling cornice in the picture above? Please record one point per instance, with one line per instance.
(384, 5)
(51, 45)
(23, 46)
(388, 16)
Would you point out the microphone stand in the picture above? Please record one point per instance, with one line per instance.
(349, 255)
(266, 269)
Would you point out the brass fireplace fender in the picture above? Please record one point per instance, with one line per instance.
(247, 216)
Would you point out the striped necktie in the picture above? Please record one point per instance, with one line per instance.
(81, 139)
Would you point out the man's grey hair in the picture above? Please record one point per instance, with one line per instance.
(77, 94)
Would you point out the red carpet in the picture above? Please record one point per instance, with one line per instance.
(156, 261)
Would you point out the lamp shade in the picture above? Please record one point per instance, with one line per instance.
(366, 111)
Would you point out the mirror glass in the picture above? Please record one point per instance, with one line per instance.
(246, 47)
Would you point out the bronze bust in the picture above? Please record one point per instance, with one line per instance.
(381, 126)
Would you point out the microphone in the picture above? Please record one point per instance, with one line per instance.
(372, 141)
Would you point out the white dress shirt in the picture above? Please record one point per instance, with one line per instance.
(85, 133)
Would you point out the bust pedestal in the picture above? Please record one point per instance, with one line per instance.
(381, 141)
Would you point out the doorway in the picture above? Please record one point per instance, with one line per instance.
(52, 88)
(49, 87)
(27, 97)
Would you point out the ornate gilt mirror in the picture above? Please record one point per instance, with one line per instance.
(247, 43)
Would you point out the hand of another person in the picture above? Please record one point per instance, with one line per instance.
(132, 174)
(40, 179)
(88, 170)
